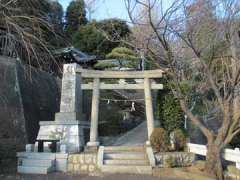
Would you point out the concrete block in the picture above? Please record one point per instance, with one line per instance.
(151, 156)
(37, 163)
(126, 162)
(123, 156)
(76, 167)
(70, 167)
(63, 148)
(91, 168)
(100, 156)
(75, 159)
(29, 147)
(33, 170)
(88, 158)
(70, 159)
(84, 168)
(127, 169)
(61, 165)
(94, 160)
(81, 159)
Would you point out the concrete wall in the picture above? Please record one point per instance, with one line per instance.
(27, 96)
(174, 159)
(82, 163)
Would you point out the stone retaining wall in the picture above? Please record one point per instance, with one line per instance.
(27, 96)
(82, 163)
(174, 159)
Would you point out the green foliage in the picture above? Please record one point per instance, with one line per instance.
(180, 140)
(122, 53)
(170, 162)
(125, 56)
(159, 140)
(115, 28)
(185, 89)
(91, 37)
(89, 40)
(75, 16)
(170, 114)
(55, 18)
(56, 13)
(104, 65)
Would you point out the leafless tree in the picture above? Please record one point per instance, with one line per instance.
(24, 28)
(208, 49)
(91, 6)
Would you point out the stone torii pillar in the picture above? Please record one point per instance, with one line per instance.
(148, 107)
(94, 114)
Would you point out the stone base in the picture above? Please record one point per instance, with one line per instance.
(91, 149)
(69, 133)
(69, 116)
(93, 144)
(148, 143)
(174, 159)
(82, 163)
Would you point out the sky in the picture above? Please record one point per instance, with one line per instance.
(105, 9)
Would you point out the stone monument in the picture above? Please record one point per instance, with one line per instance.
(69, 123)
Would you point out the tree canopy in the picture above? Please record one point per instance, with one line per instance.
(75, 16)
(99, 38)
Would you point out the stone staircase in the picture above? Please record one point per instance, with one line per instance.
(36, 163)
(125, 159)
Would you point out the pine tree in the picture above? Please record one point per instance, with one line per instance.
(75, 16)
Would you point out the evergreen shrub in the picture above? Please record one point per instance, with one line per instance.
(180, 140)
(159, 140)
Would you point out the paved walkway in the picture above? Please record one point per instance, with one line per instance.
(60, 176)
(136, 136)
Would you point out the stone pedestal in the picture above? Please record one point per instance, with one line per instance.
(70, 133)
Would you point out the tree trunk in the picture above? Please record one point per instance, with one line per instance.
(214, 161)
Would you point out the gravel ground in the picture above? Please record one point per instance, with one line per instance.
(61, 176)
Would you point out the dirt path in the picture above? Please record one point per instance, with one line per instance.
(60, 176)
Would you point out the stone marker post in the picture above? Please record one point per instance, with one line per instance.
(71, 104)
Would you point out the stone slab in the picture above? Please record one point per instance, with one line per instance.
(125, 156)
(127, 169)
(61, 165)
(36, 155)
(64, 122)
(37, 162)
(33, 170)
(69, 116)
(151, 156)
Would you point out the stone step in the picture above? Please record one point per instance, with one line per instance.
(126, 169)
(125, 148)
(36, 155)
(37, 162)
(126, 162)
(34, 170)
(125, 156)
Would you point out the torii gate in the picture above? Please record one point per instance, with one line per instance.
(71, 92)
(97, 85)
